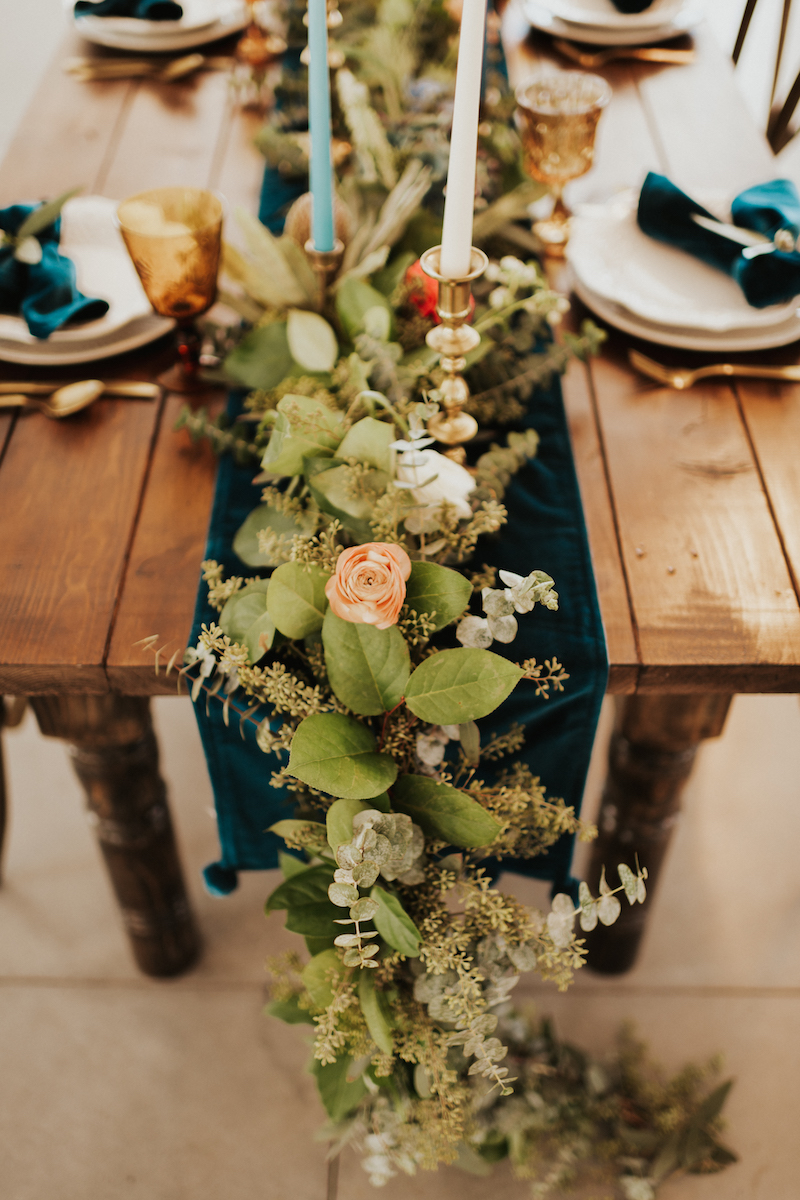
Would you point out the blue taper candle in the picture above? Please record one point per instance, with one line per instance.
(319, 121)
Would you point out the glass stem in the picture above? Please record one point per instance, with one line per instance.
(189, 344)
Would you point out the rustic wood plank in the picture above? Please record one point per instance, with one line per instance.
(68, 496)
(170, 538)
(162, 576)
(771, 413)
(708, 581)
(65, 135)
(170, 136)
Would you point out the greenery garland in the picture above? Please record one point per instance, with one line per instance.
(369, 646)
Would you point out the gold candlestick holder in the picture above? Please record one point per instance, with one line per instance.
(326, 265)
(453, 340)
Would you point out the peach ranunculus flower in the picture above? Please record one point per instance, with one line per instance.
(369, 584)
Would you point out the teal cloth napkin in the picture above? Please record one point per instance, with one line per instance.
(45, 294)
(665, 213)
(147, 10)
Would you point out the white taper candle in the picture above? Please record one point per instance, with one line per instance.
(460, 199)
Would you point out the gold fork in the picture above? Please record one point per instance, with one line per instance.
(682, 379)
(590, 62)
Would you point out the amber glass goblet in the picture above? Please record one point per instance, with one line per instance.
(174, 236)
(558, 115)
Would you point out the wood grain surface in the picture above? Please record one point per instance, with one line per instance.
(690, 499)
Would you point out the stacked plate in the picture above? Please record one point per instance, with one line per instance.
(599, 23)
(662, 294)
(202, 21)
(90, 238)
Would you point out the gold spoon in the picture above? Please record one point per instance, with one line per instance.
(63, 402)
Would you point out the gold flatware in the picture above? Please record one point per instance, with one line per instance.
(682, 379)
(63, 402)
(655, 54)
(134, 389)
(754, 243)
(159, 69)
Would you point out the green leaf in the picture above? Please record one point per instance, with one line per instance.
(262, 358)
(338, 1094)
(433, 589)
(444, 812)
(470, 738)
(354, 299)
(394, 924)
(340, 821)
(368, 441)
(291, 865)
(245, 619)
(311, 340)
(392, 276)
(314, 921)
(310, 887)
(368, 668)
(333, 492)
(296, 599)
(289, 1011)
(245, 542)
(376, 1012)
(629, 882)
(713, 1104)
(43, 216)
(316, 976)
(304, 427)
(315, 945)
(456, 686)
(315, 837)
(339, 756)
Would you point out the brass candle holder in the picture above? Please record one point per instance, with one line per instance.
(452, 341)
(326, 265)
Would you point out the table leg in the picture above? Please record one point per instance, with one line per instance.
(651, 756)
(115, 755)
(3, 802)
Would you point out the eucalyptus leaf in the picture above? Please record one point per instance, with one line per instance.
(339, 821)
(337, 755)
(245, 619)
(394, 924)
(308, 887)
(296, 599)
(262, 358)
(44, 216)
(316, 976)
(304, 428)
(291, 865)
(369, 441)
(265, 517)
(376, 1012)
(368, 668)
(289, 1011)
(354, 299)
(312, 342)
(456, 686)
(339, 1095)
(444, 812)
(433, 589)
(334, 493)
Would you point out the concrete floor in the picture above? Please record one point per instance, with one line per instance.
(114, 1087)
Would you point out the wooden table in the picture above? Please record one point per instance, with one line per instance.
(691, 499)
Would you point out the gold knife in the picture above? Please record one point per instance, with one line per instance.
(134, 389)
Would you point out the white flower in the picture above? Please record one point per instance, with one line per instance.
(432, 478)
(500, 297)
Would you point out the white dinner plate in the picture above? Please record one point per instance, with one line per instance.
(542, 17)
(203, 21)
(90, 238)
(46, 354)
(603, 15)
(734, 342)
(660, 284)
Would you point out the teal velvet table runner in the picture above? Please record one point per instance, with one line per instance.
(545, 531)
